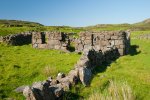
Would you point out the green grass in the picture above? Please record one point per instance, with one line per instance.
(23, 65)
(20, 65)
(137, 33)
(132, 69)
(14, 30)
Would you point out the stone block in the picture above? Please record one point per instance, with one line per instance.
(121, 46)
(42, 46)
(107, 37)
(119, 42)
(85, 75)
(121, 52)
(39, 41)
(88, 42)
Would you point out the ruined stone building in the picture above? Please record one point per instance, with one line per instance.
(96, 47)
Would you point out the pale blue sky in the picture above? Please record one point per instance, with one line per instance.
(76, 12)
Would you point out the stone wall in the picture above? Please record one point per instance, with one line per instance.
(50, 40)
(17, 39)
(96, 48)
(52, 89)
(102, 41)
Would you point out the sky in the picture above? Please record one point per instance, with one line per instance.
(76, 12)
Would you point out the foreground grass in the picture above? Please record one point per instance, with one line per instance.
(23, 65)
(133, 70)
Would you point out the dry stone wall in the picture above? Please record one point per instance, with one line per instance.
(102, 41)
(50, 40)
(17, 39)
(96, 48)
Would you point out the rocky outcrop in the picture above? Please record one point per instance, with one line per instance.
(17, 39)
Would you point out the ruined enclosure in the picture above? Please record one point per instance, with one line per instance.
(96, 47)
(99, 41)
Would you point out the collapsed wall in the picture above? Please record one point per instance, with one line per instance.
(17, 39)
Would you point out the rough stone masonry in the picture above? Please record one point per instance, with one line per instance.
(97, 48)
(50, 40)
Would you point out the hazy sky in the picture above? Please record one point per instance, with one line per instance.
(76, 12)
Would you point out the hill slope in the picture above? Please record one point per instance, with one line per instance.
(18, 23)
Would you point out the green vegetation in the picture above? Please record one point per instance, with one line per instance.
(18, 23)
(132, 71)
(127, 77)
(23, 65)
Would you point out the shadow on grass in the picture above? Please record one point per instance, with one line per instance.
(102, 68)
(133, 50)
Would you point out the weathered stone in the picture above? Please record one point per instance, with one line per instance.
(54, 82)
(42, 46)
(85, 75)
(107, 37)
(20, 89)
(73, 76)
(119, 42)
(60, 75)
(27, 92)
(51, 40)
(114, 37)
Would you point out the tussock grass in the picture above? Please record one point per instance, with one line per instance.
(114, 91)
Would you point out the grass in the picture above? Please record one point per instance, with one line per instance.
(23, 65)
(114, 92)
(132, 70)
(14, 30)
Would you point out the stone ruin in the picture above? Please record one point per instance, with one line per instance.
(50, 40)
(17, 39)
(96, 48)
(103, 41)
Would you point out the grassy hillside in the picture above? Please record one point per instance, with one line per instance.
(14, 26)
(18, 23)
(23, 65)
